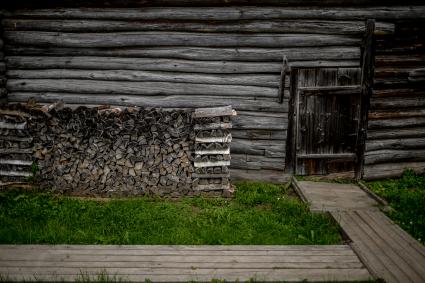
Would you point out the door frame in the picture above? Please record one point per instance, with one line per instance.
(366, 83)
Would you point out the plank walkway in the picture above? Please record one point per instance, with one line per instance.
(182, 263)
(388, 251)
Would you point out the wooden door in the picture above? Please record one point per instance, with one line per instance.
(327, 112)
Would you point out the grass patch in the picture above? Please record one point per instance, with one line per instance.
(407, 196)
(259, 214)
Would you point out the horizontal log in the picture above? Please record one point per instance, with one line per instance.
(15, 173)
(387, 155)
(270, 176)
(257, 122)
(400, 60)
(15, 162)
(229, 13)
(277, 26)
(259, 134)
(13, 126)
(211, 187)
(5, 151)
(391, 170)
(268, 148)
(396, 114)
(401, 143)
(210, 176)
(420, 72)
(244, 161)
(397, 133)
(397, 102)
(135, 88)
(172, 101)
(147, 64)
(128, 39)
(200, 53)
(397, 123)
(397, 92)
(213, 112)
(269, 80)
(345, 156)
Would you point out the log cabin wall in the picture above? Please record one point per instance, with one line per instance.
(185, 57)
(396, 134)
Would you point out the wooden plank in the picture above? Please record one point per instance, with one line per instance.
(147, 76)
(163, 38)
(15, 173)
(135, 88)
(202, 164)
(272, 26)
(210, 176)
(229, 13)
(15, 162)
(211, 187)
(224, 139)
(330, 90)
(13, 126)
(212, 151)
(213, 112)
(213, 126)
(328, 53)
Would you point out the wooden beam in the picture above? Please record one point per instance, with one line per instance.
(213, 112)
(290, 163)
(347, 156)
(283, 75)
(368, 59)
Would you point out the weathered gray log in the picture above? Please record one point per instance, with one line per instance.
(391, 170)
(404, 92)
(213, 112)
(399, 133)
(211, 187)
(4, 151)
(268, 148)
(14, 126)
(148, 64)
(128, 39)
(173, 101)
(200, 53)
(397, 102)
(135, 88)
(210, 176)
(146, 76)
(259, 134)
(244, 161)
(15, 162)
(15, 173)
(386, 155)
(401, 143)
(408, 60)
(334, 90)
(396, 123)
(229, 13)
(271, 176)
(289, 26)
(396, 114)
(257, 122)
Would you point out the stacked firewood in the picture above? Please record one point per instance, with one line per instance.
(212, 149)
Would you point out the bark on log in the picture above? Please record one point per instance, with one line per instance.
(401, 143)
(146, 76)
(229, 13)
(128, 39)
(289, 26)
(136, 88)
(172, 101)
(386, 155)
(200, 53)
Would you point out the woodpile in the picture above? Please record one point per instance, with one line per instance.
(106, 151)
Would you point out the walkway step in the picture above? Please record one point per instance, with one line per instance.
(182, 263)
(388, 251)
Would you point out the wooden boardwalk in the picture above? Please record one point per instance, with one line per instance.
(182, 263)
(388, 251)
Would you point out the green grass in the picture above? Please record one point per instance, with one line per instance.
(407, 196)
(259, 214)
